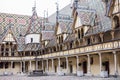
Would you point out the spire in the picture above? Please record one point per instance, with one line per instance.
(34, 26)
(76, 3)
(47, 15)
(34, 7)
(57, 12)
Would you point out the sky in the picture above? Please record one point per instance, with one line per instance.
(24, 7)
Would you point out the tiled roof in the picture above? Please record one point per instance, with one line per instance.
(52, 43)
(47, 35)
(32, 47)
(34, 26)
(70, 37)
(21, 43)
(49, 26)
(103, 22)
(86, 16)
(6, 31)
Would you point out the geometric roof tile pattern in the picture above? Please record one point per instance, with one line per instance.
(103, 22)
(47, 35)
(35, 26)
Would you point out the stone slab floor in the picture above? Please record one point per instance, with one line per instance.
(54, 78)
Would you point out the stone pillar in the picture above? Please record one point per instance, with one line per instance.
(47, 65)
(36, 65)
(67, 64)
(21, 66)
(24, 66)
(59, 64)
(42, 65)
(77, 63)
(115, 63)
(30, 66)
(100, 59)
(89, 66)
(52, 65)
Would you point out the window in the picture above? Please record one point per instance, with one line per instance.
(60, 47)
(31, 40)
(54, 48)
(61, 38)
(12, 54)
(6, 54)
(71, 44)
(116, 22)
(82, 32)
(88, 41)
(79, 34)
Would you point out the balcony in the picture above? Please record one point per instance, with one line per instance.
(106, 46)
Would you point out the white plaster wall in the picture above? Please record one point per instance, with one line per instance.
(36, 38)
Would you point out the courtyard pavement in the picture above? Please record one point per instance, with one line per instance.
(54, 78)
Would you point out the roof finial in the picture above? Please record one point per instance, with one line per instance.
(34, 8)
(47, 15)
(57, 12)
(76, 3)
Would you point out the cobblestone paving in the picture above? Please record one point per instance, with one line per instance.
(54, 78)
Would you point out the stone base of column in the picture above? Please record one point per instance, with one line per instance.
(116, 74)
(104, 74)
(80, 73)
(61, 73)
(88, 74)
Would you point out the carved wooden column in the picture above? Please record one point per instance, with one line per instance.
(101, 37)
(112, 34)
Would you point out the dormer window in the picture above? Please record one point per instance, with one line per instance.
(31, 40)
(116, 22)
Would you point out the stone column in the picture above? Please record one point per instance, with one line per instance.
(115, 63)
(36, 65)
(24, 66)
(89, 66)
(21, 66)
(47, 65)
(77, 63)
(42, 65)
(52, 65)
(100, 59)
(67, 64)
(59, 64)
(30, 66)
